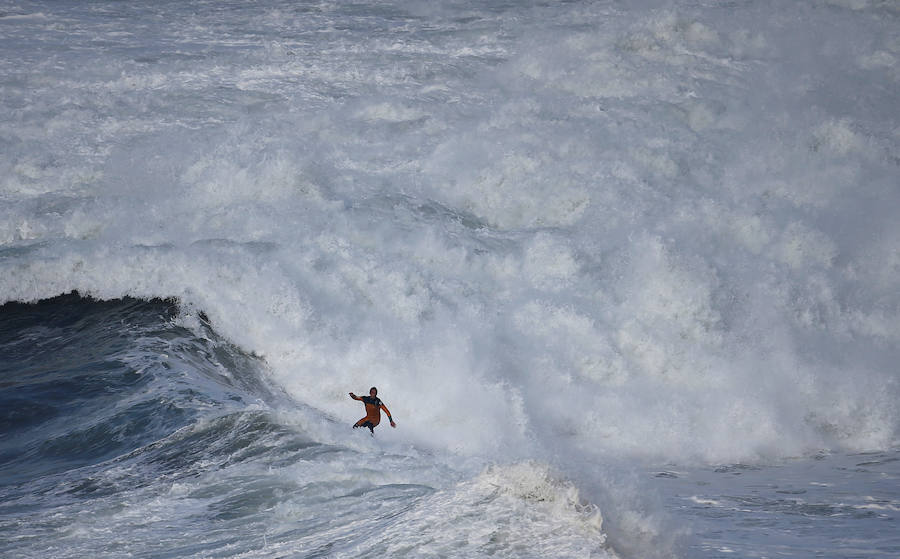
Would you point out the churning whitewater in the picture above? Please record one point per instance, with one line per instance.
(625, 274)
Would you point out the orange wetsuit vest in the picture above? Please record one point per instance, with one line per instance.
(373, 412)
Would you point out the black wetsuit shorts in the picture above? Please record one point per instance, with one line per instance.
(366, 424)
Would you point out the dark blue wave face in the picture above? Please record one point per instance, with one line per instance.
(123, 432)
(84, 381)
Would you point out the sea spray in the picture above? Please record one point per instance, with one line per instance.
(577, 234)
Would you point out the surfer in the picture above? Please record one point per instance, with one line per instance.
(373, 410)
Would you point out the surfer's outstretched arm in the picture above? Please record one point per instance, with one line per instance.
(354, 396)
(388, 412)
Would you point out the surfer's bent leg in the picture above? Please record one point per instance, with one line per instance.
(363, 423)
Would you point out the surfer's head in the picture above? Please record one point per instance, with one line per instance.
(373, 392)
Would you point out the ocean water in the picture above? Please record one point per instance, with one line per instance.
(626, 274)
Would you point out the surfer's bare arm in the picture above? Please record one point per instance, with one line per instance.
(388, 412)
(354, 396)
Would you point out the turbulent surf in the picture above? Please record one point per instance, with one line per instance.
(624, 273)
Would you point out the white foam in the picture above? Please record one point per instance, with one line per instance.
(632, 240)
(35, 15)
(516, 510)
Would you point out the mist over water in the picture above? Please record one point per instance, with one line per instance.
(576, 235)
